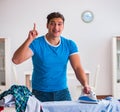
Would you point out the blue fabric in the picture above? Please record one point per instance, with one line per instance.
(61, 95)
(74, 106)
(50, 63)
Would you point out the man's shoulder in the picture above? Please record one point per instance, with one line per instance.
(65, 39)
(40, 38)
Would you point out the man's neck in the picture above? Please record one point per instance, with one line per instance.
(53, 40)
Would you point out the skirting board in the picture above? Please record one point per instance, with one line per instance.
(102, 96)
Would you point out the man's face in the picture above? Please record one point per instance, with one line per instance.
(55, 27)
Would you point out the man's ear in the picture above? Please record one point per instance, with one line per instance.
(47, 25)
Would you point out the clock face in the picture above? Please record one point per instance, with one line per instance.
(87, 16)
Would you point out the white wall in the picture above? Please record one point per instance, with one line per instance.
(93, 39)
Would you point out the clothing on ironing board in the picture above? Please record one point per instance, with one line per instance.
(20, 94)
(22, 99)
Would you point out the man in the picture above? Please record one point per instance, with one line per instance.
(50, 54)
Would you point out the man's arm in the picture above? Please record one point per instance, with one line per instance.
(80, 74)
(24, 52)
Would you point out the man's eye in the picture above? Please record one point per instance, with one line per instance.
(59, 24)
(52, 24)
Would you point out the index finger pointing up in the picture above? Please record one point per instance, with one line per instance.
(34, 28)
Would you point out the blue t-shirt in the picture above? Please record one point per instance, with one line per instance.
(50, 63)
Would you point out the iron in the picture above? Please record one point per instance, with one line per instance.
(88, 98)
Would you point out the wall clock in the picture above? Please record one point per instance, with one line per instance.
(87, 16)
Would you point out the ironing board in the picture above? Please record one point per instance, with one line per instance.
(34, 105)
(75, 106)
(72, 106)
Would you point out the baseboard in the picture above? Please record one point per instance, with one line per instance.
(102, 96)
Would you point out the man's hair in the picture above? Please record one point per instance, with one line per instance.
(55, 15)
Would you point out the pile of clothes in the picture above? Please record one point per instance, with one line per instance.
(20, 97)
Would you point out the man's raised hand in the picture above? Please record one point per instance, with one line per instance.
(33, 33)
